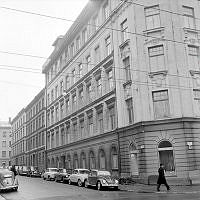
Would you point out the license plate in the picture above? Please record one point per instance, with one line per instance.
(8, 181)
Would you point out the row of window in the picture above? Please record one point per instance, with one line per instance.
(19, 148)
(35, 109)
(83, 127)
(35, 141)
(5, 154)
(18, 135)
(36, 124)
(4, 144)
(91, 161)
(19, 122)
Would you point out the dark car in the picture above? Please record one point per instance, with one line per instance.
(8, 180)
(101, 179)
(34, 172)
(63, 175)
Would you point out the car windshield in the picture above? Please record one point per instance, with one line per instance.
(103, 173)
(84, 171)
(24, 168)
(53, 170)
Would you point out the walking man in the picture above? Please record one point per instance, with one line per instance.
(161, 178)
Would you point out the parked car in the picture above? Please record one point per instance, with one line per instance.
(79, 176)
(101, 179)
(63, 175)
(50, 173)
(8, 180)
(34, 172)
(23, 171)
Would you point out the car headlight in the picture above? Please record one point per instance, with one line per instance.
(116, 181)
(103, 181)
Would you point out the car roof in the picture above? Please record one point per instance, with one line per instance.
(81, 169)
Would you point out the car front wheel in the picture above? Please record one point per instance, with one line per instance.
(86, 183)
(79, 183)
(99, 186)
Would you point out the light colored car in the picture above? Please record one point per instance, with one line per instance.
(63, 175)
(101, 179)
(7, 180)
(50, 173)
(79, 176)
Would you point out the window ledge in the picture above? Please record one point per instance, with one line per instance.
(191, 30)
(163, 72)
(125, 43)
(129, 82)
(192, 72)
(154, 30)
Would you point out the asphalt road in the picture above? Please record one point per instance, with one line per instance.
(38, 189)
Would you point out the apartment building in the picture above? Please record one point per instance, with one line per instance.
(123, 90)
(5, 143)
(36, 131)
(18, 125)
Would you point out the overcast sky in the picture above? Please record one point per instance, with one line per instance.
(33, 35)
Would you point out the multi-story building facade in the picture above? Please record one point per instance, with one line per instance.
(5, 143)
(123, 89)
(35, 131)
(18, 125)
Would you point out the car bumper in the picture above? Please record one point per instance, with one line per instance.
(9, 187)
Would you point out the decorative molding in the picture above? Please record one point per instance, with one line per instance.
(158, 77)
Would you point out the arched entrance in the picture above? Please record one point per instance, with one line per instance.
(133, 153)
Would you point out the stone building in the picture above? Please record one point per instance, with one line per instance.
(123, 89)
(36, 131)
(18, 125)
(5, 143)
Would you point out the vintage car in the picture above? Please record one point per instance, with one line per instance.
(50, 173)
(63, 175)
(23, 170)
(34, 172)
(7, 180)
(79, 176)
(101, 179)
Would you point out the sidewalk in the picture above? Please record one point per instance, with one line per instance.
(141, 188)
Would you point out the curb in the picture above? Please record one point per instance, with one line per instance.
(2, 198)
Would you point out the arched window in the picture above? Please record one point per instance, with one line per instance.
(114, 158)
(75, 161)
(102, 159)
(68, 165)
(83, 160)
(133, 153)
(166, 156)
(92, 160)
(57, 164)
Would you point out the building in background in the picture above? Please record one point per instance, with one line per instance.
(18, 125)
(35, 131)
(5, 143)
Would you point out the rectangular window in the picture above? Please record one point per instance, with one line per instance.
(78, 43)
(68, 134)
(108, 46)
(62, 136)
(189, 19)
(73, 102)
(3, 143)
(97, 55)
(67, 84)
(100, 121)
(197, 99)
(106, 11)
(111, 117)
(88, 63)
(52, 95)
(56, 92)
(73, 76)
(90, 125)
(56, 115)
(72, 50)
(80, 94)
(81, 124)
(129, 104)
(161, 104)
(80, 70)
(75, 132)
(193, 57)
(124, 30)
(126, 63)
(89, 92)
(52, 116)
(61, 110)
(110, 79)
(4, 134)
(84, 36)
(61, 87)
(95, 23)
(99, 86)
(156, 58)
(152, 15)
(4, 154)
(67, 105)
